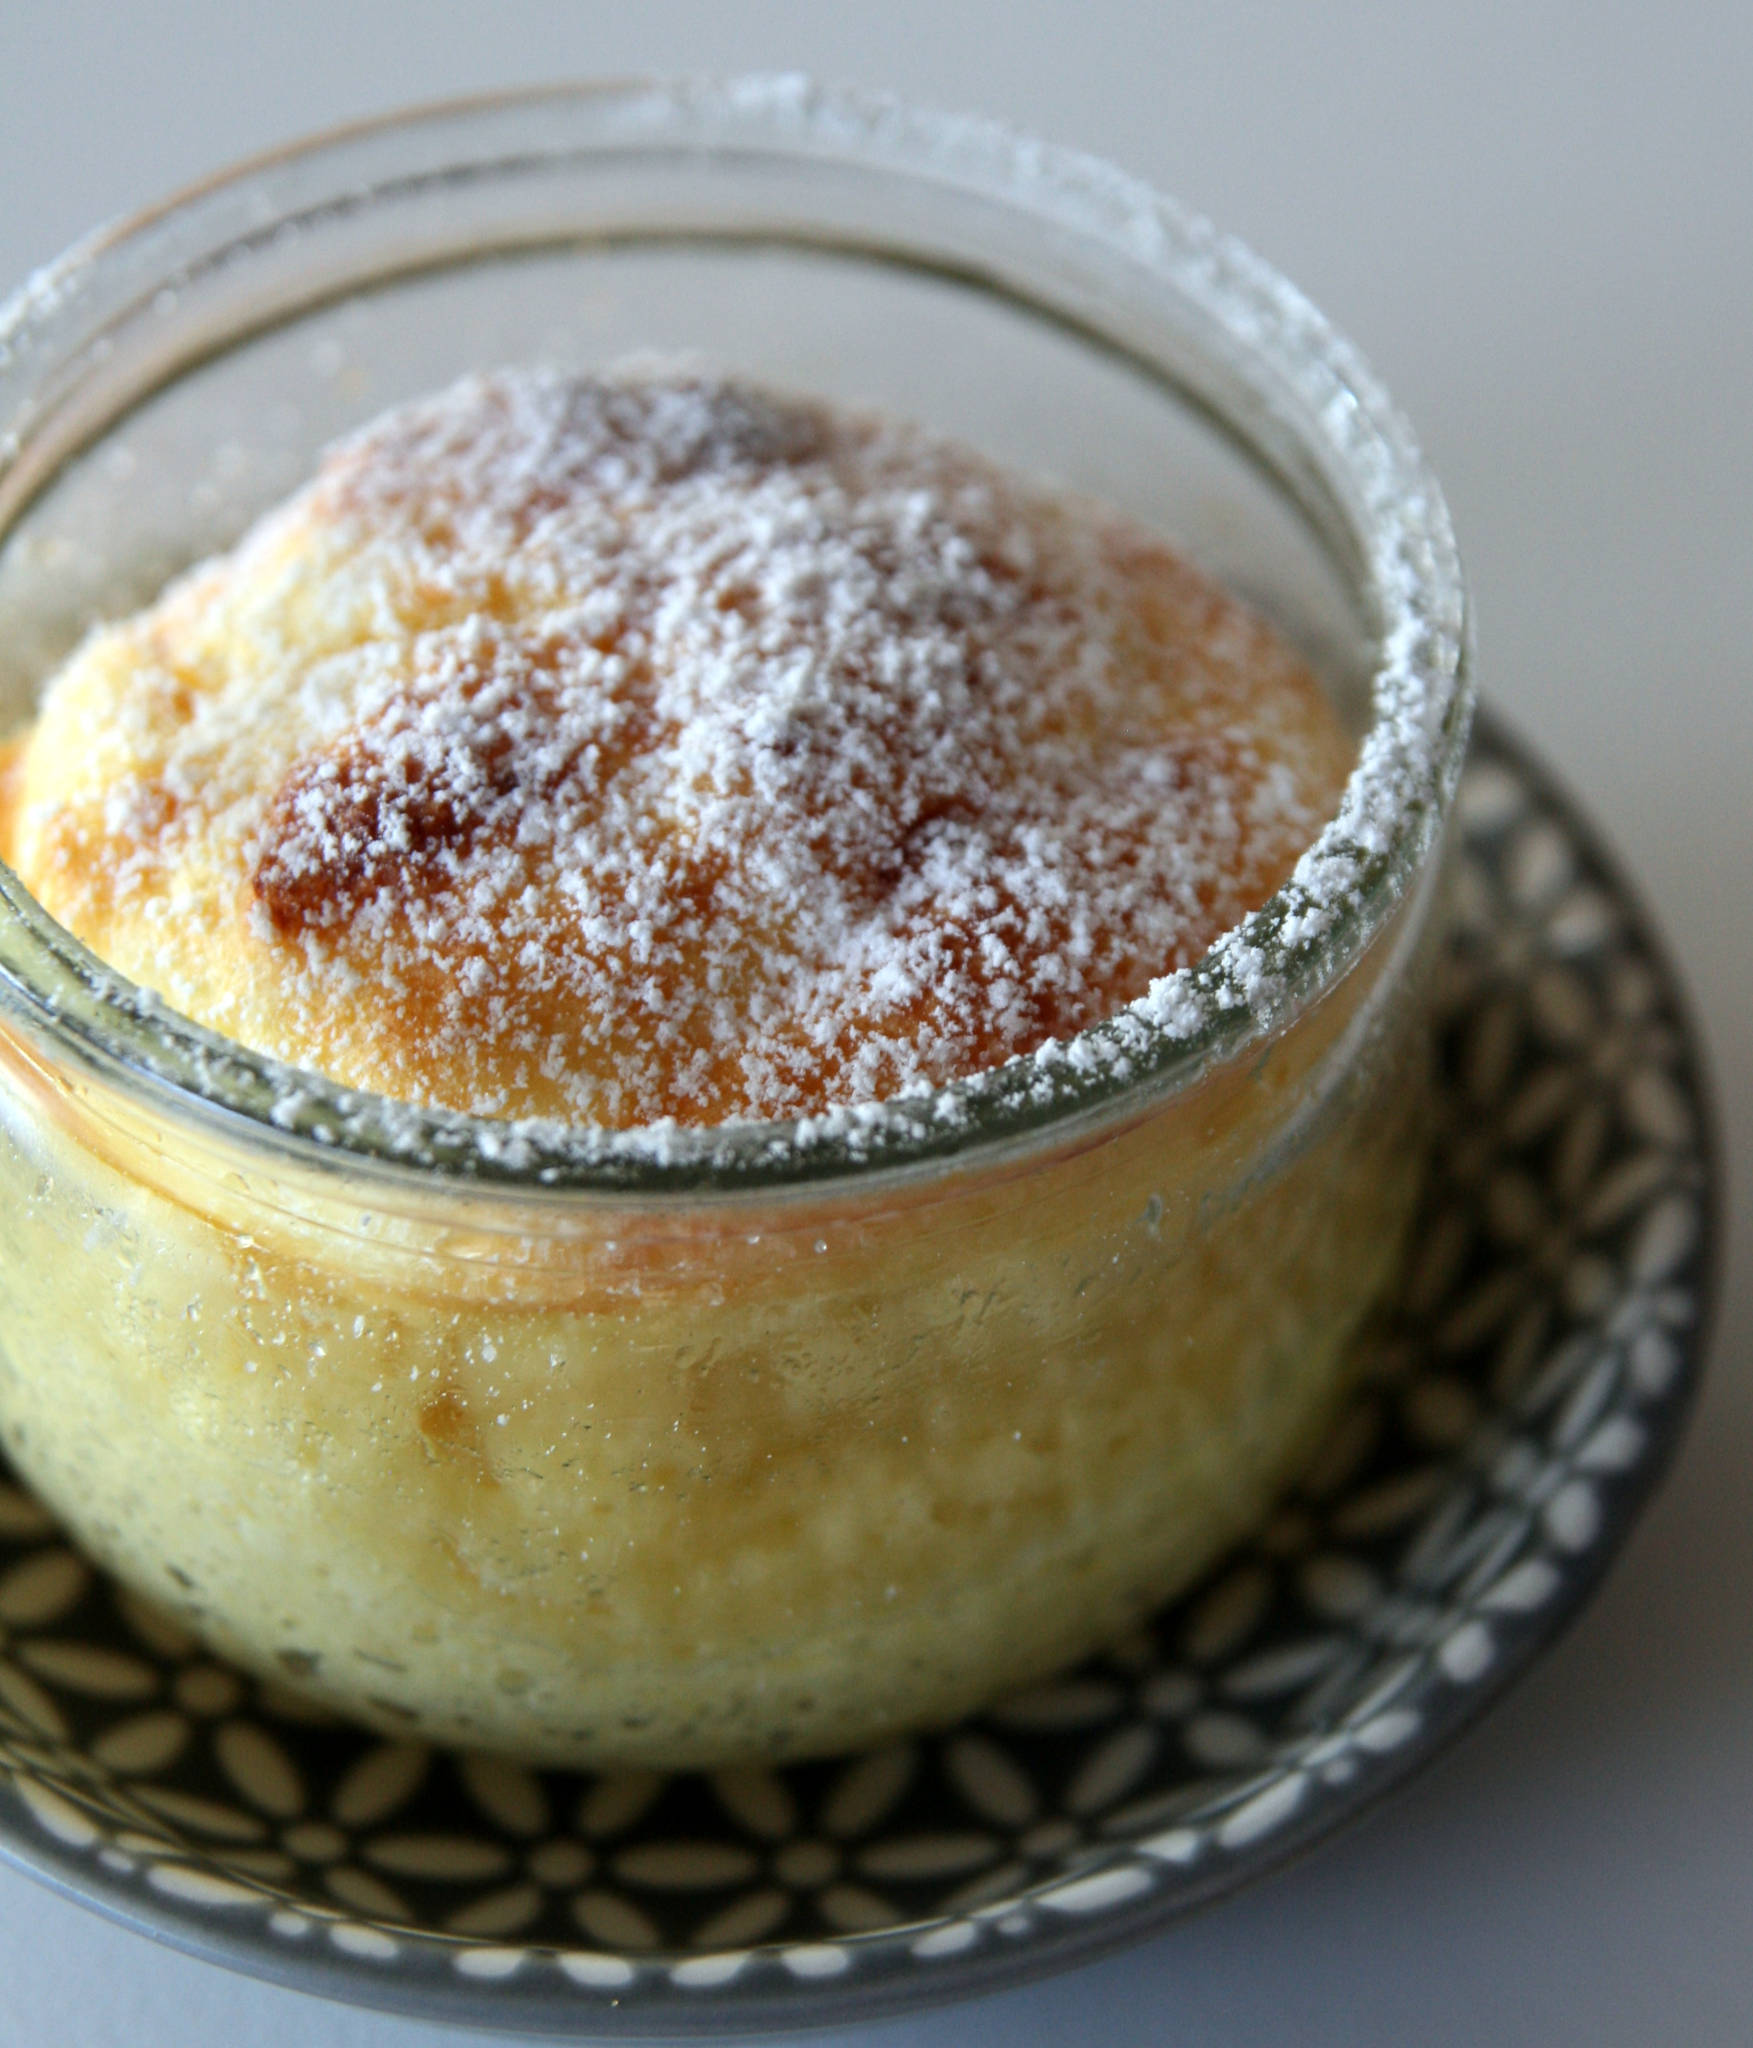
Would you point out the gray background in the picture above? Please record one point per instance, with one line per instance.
(1537, 219)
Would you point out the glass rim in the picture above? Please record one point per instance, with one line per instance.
(1306, 380)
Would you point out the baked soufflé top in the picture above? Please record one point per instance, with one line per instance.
(631, 747)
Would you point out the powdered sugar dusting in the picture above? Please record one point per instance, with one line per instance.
(641, 750)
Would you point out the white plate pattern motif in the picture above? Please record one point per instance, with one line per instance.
(1523, 1396)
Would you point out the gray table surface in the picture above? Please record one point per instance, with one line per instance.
(1537, 219)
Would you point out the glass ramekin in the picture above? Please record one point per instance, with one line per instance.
(677, 1446)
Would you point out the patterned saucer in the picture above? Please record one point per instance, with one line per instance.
(1523, 1396)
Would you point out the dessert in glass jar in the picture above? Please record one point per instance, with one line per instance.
(687, 1073)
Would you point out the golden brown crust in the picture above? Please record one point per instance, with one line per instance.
(628, 748)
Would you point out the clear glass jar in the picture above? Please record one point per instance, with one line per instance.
(674, 1446)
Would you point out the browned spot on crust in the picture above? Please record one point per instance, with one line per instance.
(343, 826)
(423, 467)
(402, 803)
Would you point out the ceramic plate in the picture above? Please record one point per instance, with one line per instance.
(1523, 1395)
